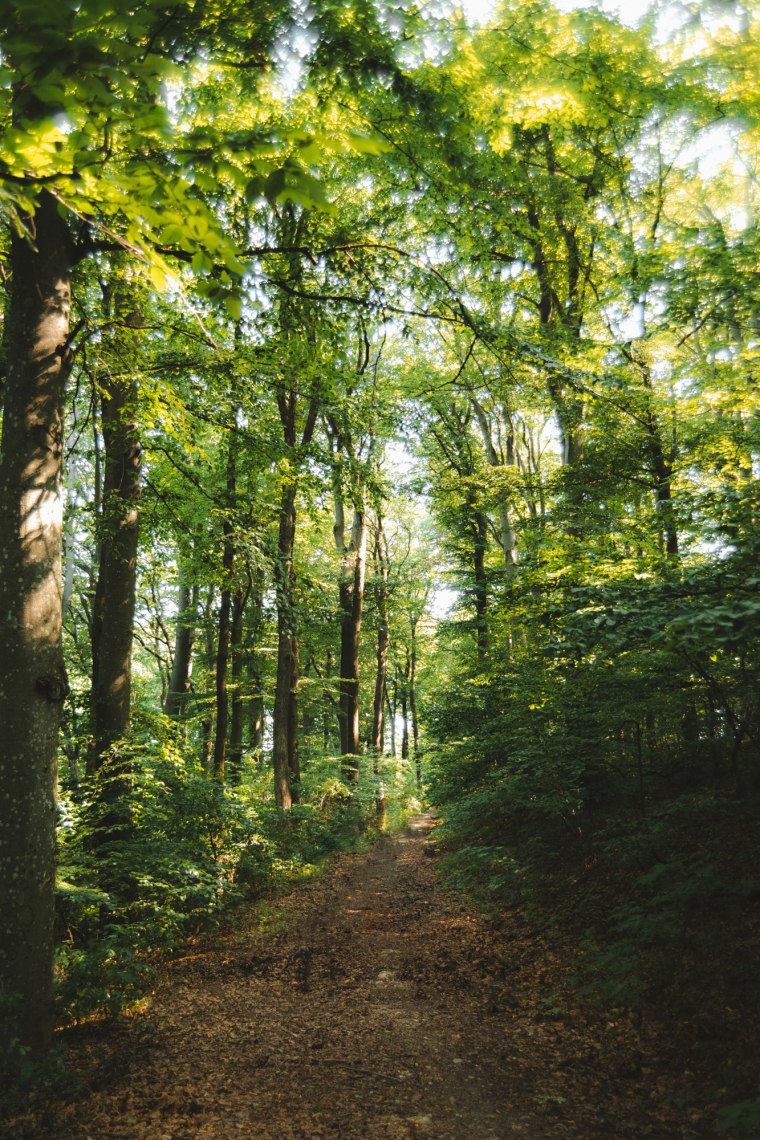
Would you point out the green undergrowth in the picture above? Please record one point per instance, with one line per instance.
(659, 915)
(148, 860)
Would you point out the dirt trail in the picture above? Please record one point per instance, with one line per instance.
(384, 1009)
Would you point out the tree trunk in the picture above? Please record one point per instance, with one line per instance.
(381, 671)
(351, 593)
(661, 463)
(404, 723)
(479, 531)
(294, 762)
(413, 703)
(114, 606)
(32, 676)
(256, 711)
(238, 709)
(207, 723)
(225, 609)
(182, 661)
(507, 534)
(282, 725)
(392, 705)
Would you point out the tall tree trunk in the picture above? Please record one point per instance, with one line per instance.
(237, 718)
(225, 609)
(32, 675)
(507, 534)
(351, 596)
(115, 589)
(392, 706)
(282, 725)
(405, 717)
(207, 723)
(381, 670)
(182, 660)
(256, 714)
(413, 702)
(294, 761)
(479, 530)
(256, 711)
(660, 463)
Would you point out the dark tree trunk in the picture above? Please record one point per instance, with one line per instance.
(237, 718)
(404, 723)
(207, 723)
(225, 610)
(413, 703)
(285, 712)
(507, 536)
(392, 705)
(256, 717)
(381, 670)
(661, 464)
(351, 599)
(182, 661)
(294, 761)
(479, 528)
(256, 711)
(114, 605)
(32, 676)
(282, 725)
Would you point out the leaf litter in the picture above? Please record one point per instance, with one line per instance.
(374, 1005)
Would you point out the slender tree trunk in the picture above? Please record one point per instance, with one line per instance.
(404, 723)
(237, 718)
(220, 678)
(413, 702)
(294, 761)
(381, 670)
(351, 592)
(256, 710)
(182, 660)
(328, 702)
(114, 606)
(507, 535)
(479, 530)
(207, 723)
(256, 714)
(225, 611)
(661, 463)
(32, 676)
(282, 725)
(392, 706)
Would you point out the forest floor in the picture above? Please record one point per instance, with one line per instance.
(370, 1003)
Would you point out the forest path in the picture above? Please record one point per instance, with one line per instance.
(380, 1008)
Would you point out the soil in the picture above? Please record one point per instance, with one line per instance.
(370, 1003)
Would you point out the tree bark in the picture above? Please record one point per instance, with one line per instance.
(392, 705)
(381, 670)
(114, 605)
(207, 724)
(282, 723)
(182, 660)
(32, 676)
(285, 719)
(237, 718)
(294, 761)
(479, 533)
(413, 702)
(225, 609)
(506, 525)
(351, 598)
(256, 710)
